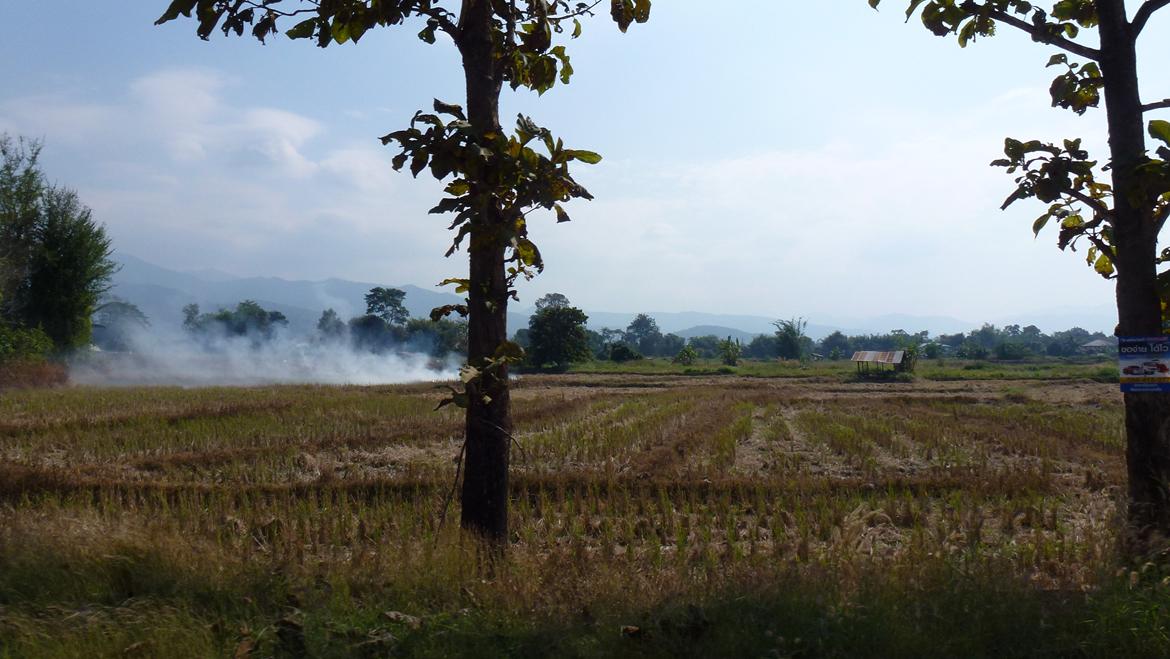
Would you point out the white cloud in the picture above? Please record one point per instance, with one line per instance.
(876, 221)
(896, 213)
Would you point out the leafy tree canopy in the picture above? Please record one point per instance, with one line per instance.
(386, 303)
(557, 336)
(55, 257)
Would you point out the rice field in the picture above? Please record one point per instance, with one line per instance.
(652, 515)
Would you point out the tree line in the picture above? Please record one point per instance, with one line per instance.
(385, 327)
(557, 336)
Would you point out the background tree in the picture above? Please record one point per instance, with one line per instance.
(373, 334)
(386, 303)
(247, 319)
(553, 300)
(438, 338)
(686, 356)
(643, 334)
(557, 336)
(790, 337)
(22, 186)
(762, 346)
(729, 351)
(497, 178)
(56, 257)
(69, 271)
(621, 352)
(835, 343)
(330, 326)
(669, 345)
(116, 323)
(1119, 212)
(707, 346)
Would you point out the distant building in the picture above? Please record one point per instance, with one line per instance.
(874, 361)
(1098, 347)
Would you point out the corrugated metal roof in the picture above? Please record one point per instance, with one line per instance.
(1100, 343)
(877, 357)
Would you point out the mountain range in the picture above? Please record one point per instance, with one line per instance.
(161, 293)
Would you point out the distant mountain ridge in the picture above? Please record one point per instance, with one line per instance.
(162, 293)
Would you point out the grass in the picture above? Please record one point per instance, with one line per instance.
(662, 516)
(1086, 368)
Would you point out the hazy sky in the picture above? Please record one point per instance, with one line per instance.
(787, 158)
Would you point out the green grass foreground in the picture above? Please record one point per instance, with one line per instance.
(673, 517)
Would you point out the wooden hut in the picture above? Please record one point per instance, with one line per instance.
(874, 361)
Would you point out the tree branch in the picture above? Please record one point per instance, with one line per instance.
(1157, 105)
(1160, 218)
(255, 4)
(1143, 14)
(1042, 36)
(1097, 205)
(583, 11)
(1102, 247)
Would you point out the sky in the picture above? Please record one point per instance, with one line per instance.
(814, 159)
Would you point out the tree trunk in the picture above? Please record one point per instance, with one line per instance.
(489, 423)
(1147, 415)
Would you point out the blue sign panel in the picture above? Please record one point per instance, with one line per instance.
(1144, 363)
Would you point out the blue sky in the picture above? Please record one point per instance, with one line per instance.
(790, 158)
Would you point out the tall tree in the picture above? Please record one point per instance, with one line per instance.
(551, 300)
(1119, 209)
(557, 336)
(115, 324)
(643, 333)
(330, 326)
(386, 303)
(790, 338)
(496, 178)
(56, 257)
(69, 271)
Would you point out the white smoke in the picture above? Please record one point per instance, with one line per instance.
(159, 357)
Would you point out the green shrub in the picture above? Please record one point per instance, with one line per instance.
(21, 343)
(686, 356)
(621, 352)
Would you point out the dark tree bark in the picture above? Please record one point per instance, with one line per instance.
(489, 422)
(1135, 236)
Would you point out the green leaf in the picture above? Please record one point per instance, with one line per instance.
(509, 351)
(588, 157)
(177, 7)
(1013, 149)
(641, 10)
(911, 7)
(1039, 224)
(562, 216)
(468, 373)
(622, 12)
(461, 285)
(340, 31)
(450, 108)
(1160, 130)
(302, 30)
(1103, 265)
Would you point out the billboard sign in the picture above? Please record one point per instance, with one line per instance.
(1144, 363)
